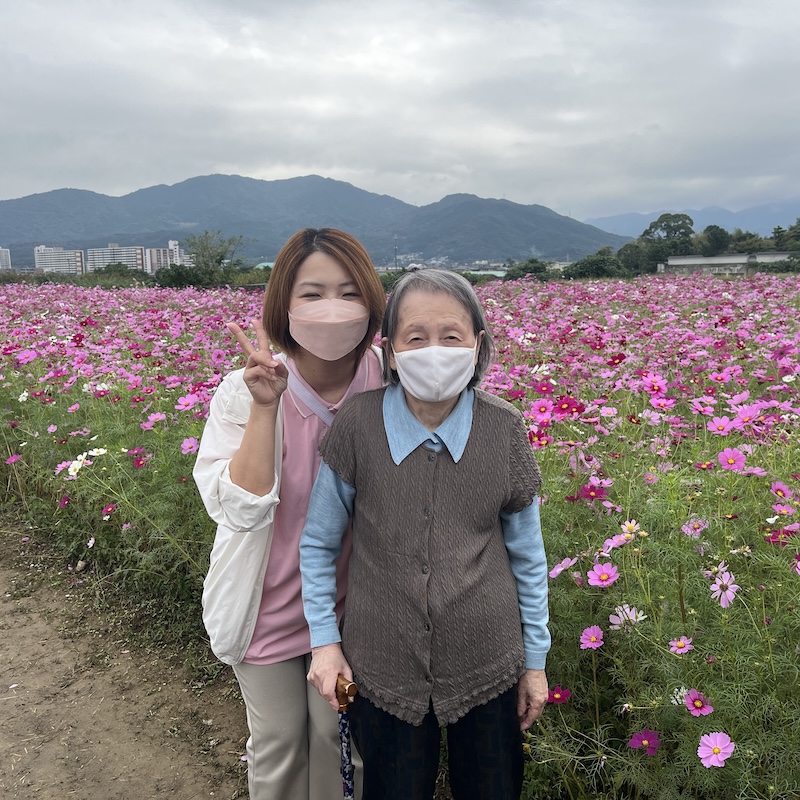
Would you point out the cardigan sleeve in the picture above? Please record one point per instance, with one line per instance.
(226, 503)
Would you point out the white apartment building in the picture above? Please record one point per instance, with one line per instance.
(5, 258)
(57, 259)
(157, 258)
(100, 257)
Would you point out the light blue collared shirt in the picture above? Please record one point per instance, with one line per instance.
(331, 507)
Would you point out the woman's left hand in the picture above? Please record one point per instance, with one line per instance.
(531, 697)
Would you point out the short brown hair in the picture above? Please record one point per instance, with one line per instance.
(349, 252)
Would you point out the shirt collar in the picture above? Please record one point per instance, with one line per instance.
(406, 433)
(359, 384)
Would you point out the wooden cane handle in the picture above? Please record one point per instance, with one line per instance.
(345, 690)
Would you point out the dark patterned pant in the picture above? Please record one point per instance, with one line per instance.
(401, 760)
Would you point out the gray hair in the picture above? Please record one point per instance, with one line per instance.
(443, 282)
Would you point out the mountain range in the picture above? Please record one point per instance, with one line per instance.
(758, 219)
(462, 227)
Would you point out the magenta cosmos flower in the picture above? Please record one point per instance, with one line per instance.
(602, 574)
(715, 748)
(592, 638)
(697, 703)
(558, 695)
(683, 644)
(724, 589)
(732, 458)
(647, 739)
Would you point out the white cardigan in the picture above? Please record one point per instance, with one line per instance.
(233, 586)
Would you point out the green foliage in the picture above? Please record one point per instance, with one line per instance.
(479, 278)
(602, 264)
(389, 279)
(714, 241)
(533, 267)
(214, 258)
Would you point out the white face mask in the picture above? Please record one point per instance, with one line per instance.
(436, 373)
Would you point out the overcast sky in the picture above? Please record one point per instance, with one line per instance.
(590, 107)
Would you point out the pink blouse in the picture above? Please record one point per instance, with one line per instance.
(281, 631)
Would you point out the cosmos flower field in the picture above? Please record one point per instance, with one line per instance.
(664, 413)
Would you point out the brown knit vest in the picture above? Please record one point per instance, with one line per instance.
(432, 612)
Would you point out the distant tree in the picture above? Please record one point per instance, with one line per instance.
(792, 241)
(179, 276)
(389, 279)
(749, 242)
(214, 256)
(479, 278)
(779, 235)
(714, 241)
(673, 230)
(634, 258)
(603, 264)
(533, 266)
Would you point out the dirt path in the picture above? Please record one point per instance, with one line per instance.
(85, 715)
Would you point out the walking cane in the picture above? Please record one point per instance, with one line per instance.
(345, 692)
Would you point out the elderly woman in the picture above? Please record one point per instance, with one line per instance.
(446, 615)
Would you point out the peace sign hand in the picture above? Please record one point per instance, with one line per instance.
(266, 377)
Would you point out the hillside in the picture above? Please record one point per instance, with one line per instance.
(462, 227)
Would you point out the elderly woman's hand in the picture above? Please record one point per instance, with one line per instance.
(327, 663)
(531, 697)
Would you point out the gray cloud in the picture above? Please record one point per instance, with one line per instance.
(590, 108)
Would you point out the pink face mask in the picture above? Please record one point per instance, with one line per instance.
(329, 329)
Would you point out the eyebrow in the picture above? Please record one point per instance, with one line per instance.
(322, 285)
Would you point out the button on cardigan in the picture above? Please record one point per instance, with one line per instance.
(433, 612)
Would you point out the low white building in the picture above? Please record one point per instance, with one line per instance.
(57, 259)
(726, 264)
(5, 258)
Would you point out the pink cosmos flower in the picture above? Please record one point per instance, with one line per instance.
(109, 509)
(592, 638)
(602, 574)
(682, 644)
(190, 445)
(13, 459)
(64, 501)
(715, 748)
(782, 510)
(732, 458)
(697, 703)
(694, 527)
(52, 428)
(558, 695)
(797, 563)
(561, 566)
(647, 739)
(781, 491)
(724, 589)
(625, 617)
(73, 408)
(720, 425)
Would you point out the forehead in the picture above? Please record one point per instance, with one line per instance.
(319, 268)
(422, 307)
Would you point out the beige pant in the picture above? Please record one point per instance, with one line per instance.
(293, 749)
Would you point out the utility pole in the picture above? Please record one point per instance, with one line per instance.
(395, 252)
